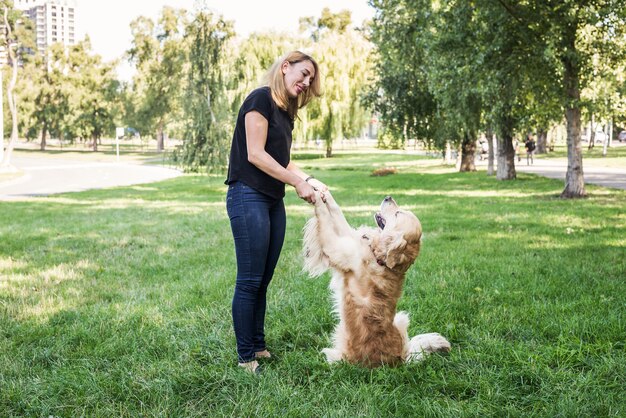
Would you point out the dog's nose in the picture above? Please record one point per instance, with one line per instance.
(388, 199)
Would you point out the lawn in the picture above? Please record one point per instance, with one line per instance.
(117, 302)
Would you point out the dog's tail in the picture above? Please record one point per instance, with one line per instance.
(315, 261)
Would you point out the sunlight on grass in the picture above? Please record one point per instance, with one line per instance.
(8, 263)
(568, 223)
(47, 305)
(144, 189)
(545, 242)
(475, 193)
(170, 206)
(63, 272)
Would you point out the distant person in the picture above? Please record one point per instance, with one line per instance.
(530, 149)
(259, 167)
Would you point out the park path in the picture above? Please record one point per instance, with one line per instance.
(614, 177)
(45, 176)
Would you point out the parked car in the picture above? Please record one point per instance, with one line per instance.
(621, 137)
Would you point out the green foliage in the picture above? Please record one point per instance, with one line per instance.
(76, 94)
(159, 51)
(327, 22)
(207, 110)
(343, 57)
(16, 39)
(102, 316)
(400, 93)
(508, 66)
(22, 34)
(98, 93)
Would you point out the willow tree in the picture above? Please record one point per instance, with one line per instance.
(252, 58)
(342, 54)
(207, 112)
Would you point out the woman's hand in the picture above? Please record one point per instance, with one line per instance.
(306, 191)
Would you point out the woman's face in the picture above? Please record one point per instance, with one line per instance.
(298, 77)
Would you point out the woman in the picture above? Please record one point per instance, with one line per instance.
(258, 170)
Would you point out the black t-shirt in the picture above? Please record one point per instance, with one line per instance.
(278, 144)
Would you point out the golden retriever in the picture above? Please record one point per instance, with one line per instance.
(369, 267)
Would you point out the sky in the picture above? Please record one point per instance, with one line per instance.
(108, 22)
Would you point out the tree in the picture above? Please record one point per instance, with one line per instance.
(17, 39)
(52, 102)
(454, 76)
(342, 55)
(158, 51)
(206, 109)
(400, 92)
(96, 93)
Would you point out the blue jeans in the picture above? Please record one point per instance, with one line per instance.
(258, 223)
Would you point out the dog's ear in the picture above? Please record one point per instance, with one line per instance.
(395, 252)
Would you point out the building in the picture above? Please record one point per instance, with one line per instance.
(54, 21)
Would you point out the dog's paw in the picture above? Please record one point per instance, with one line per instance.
(332, 355)
(424, 344)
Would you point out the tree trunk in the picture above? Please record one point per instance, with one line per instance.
(447, 155)
(592, 132)
(542, 140)
(468, 153)
(1, 119)
(94, 143)
(44, 134)
(489, 136)
(608, 138)
(329, 148)
(506, 155)
(160, 137)
(574, 179)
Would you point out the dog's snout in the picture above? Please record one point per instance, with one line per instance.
(388, 199)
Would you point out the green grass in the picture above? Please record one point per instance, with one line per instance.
(117, 302)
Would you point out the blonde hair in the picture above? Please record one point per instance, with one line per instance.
(276, 82)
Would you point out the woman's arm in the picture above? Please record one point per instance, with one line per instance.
(317, 185)
(256, 137)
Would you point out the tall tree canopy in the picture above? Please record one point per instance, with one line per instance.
(207, 106)
(508, 64)
(159, 53)
(343, 57)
